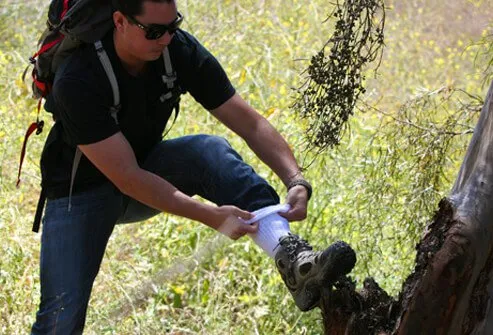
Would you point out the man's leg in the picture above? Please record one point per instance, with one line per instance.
(209, 167)
(72, 247)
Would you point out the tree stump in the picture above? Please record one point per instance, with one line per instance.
(451, 288)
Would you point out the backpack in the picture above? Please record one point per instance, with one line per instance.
(72, 23)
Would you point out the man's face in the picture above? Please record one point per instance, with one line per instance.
(134, 32)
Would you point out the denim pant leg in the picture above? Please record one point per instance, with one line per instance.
(207, 166)
(72, 247)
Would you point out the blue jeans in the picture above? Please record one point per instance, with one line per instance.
(73, 243)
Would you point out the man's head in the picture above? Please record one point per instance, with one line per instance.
(144, 27)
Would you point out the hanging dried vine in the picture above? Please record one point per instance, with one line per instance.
(335, 80)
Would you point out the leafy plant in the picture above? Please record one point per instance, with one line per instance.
(336, 73)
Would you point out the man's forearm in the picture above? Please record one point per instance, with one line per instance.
(276, 154)
(157, 193)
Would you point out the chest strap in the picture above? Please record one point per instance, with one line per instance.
(170, 76)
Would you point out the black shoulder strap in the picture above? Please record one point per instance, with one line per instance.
(39, 210)
(169, 78)
(105, 61)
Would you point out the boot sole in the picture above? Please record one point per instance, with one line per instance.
(339, 259)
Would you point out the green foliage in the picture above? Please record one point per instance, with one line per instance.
(422, 138)
(486, 54)
(376, 190)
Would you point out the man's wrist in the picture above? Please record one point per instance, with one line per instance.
(211, 218)
(301, 182)
(295, 176)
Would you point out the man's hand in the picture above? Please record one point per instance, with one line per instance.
(228, 220)
(298, 199)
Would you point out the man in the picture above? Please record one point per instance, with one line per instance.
(128, 173)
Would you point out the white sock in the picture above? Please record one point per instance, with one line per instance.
(271, 226)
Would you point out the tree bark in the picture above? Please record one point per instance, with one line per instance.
(451, 289)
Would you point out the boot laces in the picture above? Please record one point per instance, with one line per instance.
(293, 245)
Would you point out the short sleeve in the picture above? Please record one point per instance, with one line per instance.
(83, 112)
(203, 76)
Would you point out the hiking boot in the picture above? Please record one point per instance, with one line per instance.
(306, 272)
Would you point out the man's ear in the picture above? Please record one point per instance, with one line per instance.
(119, 20)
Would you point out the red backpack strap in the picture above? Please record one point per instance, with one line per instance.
(46, 47)
(65, 8)
(57, 40)
(43, 87)
(38, 126)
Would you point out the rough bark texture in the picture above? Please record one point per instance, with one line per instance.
(451, 287)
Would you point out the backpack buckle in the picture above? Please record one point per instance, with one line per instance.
(39, 127)
(114, 112)
(169, 79)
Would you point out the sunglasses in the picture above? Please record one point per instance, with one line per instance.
(155, 31)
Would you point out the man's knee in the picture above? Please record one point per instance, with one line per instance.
(209, 142)
(219, 149)
(61, 314)
(211, 150)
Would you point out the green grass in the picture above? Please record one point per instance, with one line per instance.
(169, 275)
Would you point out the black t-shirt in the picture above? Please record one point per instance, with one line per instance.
(82, 97)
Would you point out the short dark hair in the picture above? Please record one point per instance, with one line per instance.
(133, 7)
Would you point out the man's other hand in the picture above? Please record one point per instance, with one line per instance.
(298, 199)
(230, 219)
